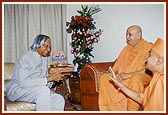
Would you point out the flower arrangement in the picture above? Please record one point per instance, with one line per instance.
(83, 34)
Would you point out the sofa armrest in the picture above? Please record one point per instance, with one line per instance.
(89, 84)
(94, 70)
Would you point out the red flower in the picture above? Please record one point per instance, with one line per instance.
(69, 31)
(72, 23)
(78, 18)
(92, 25)
(72, 17)
(67, 23)
(84, 25)
(85, 19)
(73, 35)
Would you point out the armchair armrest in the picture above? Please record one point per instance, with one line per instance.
(89, 84)
(94, 70)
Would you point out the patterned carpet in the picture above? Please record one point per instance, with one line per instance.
(70, 104)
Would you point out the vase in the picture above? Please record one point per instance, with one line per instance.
(78, 71)
(79, 68)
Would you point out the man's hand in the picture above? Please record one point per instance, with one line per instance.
(55, 76)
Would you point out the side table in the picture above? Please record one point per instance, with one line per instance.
(74, 83)
(62, 86)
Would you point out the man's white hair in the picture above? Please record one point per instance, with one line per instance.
(39, 41)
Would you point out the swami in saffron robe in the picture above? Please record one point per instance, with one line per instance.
(153, 97)
(130, 60)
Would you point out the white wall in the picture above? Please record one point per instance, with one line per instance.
(114, 20)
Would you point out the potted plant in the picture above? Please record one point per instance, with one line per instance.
(83, 35)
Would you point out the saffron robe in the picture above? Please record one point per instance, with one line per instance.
(153, 97)
(131, 59)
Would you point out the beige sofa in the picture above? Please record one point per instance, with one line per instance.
(14, 106)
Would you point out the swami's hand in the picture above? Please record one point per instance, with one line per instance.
(115, 78)
(130, 93)
(116, 75)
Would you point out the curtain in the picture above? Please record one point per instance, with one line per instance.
(23, 22)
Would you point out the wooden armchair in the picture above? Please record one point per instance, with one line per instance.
(89, 84)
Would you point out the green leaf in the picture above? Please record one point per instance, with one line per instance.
(80, 12)
(74, 62)
(89, 10)
(91, 55)
(96, 10)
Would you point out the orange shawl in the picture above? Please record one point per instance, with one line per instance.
(132, 59)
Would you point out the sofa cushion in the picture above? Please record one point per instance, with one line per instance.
(19, 106)
(8, 70)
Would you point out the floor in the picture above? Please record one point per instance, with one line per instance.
(70, 106)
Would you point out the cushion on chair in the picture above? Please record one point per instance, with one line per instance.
(8, 69)
(19, 106)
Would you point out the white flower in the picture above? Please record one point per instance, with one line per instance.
(80, 55)
(80, 33)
